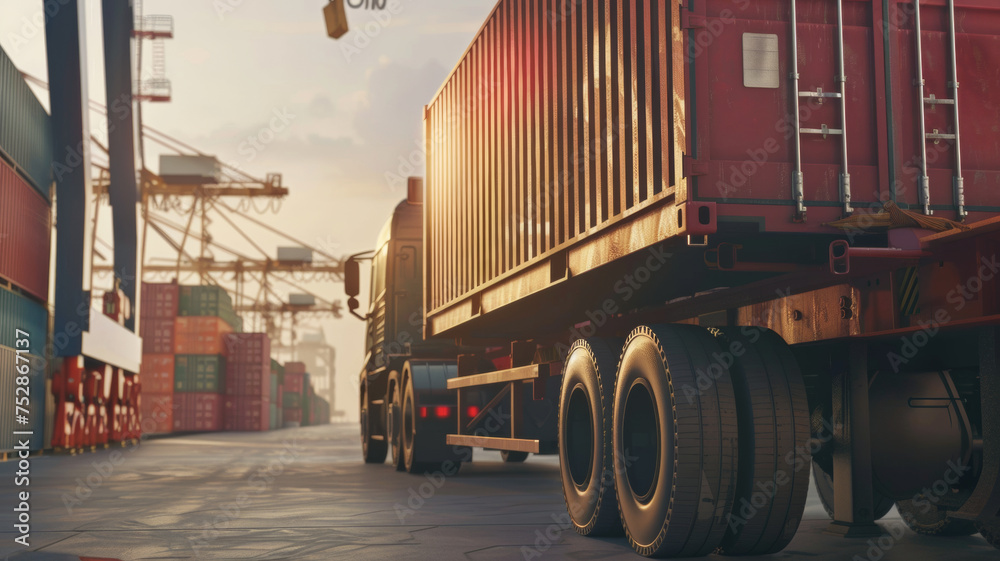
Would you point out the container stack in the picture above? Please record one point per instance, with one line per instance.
(277, 394)
(25, 243)
(205, 317)
(294, 388)
(248, 382)
(160, 304)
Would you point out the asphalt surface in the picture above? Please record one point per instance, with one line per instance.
(304, 494)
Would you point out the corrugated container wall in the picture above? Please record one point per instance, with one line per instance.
(35, 419)
(20, 312)
(25, 229)
(547, 129)
(25, 129)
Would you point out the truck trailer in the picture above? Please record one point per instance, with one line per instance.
(700, 249)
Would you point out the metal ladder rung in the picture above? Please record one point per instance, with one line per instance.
(820, 94)
(936, 101)
(825, 131)
(940, 136)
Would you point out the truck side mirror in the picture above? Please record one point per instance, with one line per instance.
(352, 281)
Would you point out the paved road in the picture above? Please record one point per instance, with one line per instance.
(304, 494)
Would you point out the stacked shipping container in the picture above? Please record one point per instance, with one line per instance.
(277, 394)
(156, 327)
(296, 380)
(248, 382)
(25, 241)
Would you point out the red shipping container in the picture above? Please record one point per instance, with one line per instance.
(246, 413)
(200, 335)
(293, 382)
(295, 368)
(248, 365)
(292, 415)
(159, 301)
(25, 228)
(198, 412)
(157, 413)
(157, 336)
(157, 374)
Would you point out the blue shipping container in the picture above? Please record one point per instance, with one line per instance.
(25, 128)
(20, 312)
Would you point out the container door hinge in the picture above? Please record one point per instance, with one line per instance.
(693, 167)
(691, 20)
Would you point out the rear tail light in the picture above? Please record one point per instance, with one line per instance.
(472, 411)
(423, 412)
(441, 411)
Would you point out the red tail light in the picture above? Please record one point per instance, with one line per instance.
(441, 411)
(423, 412)
(472, 411)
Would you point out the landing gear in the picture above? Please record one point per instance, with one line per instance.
(586, 454)
(931, 520)
(373, 446)
(675, 442)
(510, 457)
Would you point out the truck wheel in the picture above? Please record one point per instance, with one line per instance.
(675, 441)
(393, 411)
(990, 531)
(423, 436)
(372, 450)
(931, 520)
(586, 453)
(774, 431)
(510, 457)
(824, 488)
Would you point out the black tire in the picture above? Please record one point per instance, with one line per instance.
(393, 411)
(586, 451)
(824, 488)
(675, 507)
(990, 532)
(774, 432)
(423, 441)
(372, 450)
(931, 520)
(510, 457)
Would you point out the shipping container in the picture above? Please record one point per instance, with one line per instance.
(246, 413)
(160, 300)
(197, 412)
(294, 381)
(20, 312)
(25, 129)
(291, 418)
(301, 300)
(208, 301)
(190, 169)
(200, 335)
(199, 373)
(295, 255)
(157, 412)
(34, 390)
(248, 365)
(157, 374)
(25, 234)
(274, 416)
(291, 400)
(545, 163)
(157, 335)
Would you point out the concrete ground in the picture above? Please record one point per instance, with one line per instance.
(304, 494)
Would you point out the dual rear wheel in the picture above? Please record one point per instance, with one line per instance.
(691, 441)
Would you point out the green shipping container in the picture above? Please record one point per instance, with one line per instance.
(25, 129)
(200, 373)
(274, 388)
(275, 416)
(20, 312)
(292, 401)
(209, 301)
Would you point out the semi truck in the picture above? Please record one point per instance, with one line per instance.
(701, 249)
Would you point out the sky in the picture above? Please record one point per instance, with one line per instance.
(335, 118)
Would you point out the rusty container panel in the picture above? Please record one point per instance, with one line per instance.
(25, 133)
(558, 121)
(25, 228)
